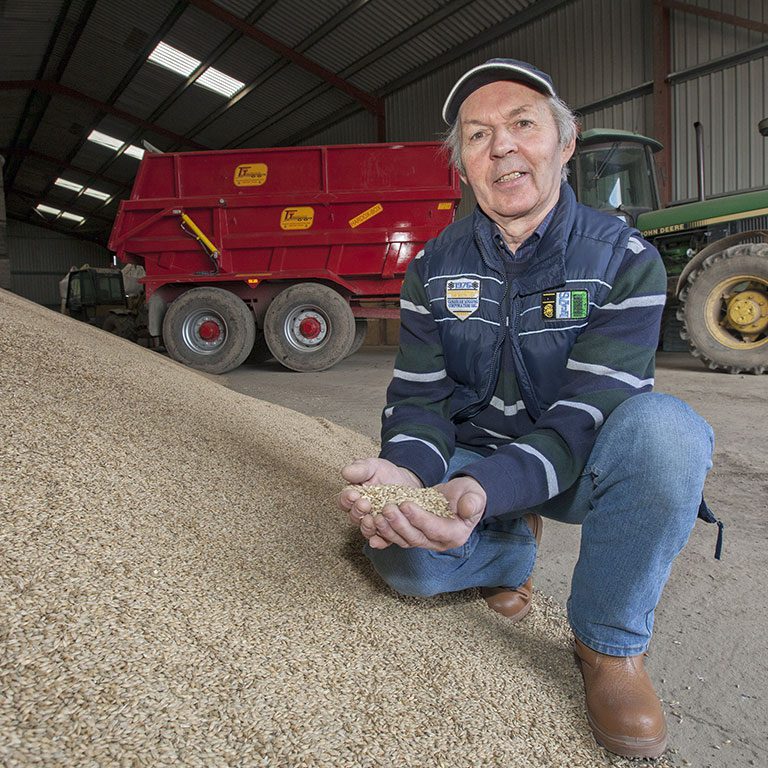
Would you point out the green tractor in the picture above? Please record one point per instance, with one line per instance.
(715, 251)
(98, 296)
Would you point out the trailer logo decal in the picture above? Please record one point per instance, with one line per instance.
(365, 215)
(565, 305)
(297, 217)
(250, 175)
(462, 297)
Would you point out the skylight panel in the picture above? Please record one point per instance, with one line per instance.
(68, 184)
(177, 61)
(97, 193)
(72, 216)
(106, 141)
(110, 141)
(47, 209)
(172, 58)
(219, 82)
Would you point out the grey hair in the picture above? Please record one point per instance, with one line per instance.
(565, 120)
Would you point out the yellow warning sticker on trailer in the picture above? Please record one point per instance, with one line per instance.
(444, 206)
(365, 215)
(250, 175)
(297, 217)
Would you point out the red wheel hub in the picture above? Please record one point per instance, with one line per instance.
(310, 327)
(209, 331)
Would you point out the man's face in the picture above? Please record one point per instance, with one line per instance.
(511, 152)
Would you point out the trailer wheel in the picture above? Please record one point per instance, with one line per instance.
(209, 329)
(309, 327)
(361, 328)
(724, 309)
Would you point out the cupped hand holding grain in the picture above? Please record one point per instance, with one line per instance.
(370, 472)
(408, 525)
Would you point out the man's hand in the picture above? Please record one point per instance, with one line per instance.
(371, 472)
(411, 526)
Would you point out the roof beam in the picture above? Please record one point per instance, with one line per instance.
(76, 232)
(519, 19)
(72, 42)
(726, 18)
(392, 44)
(70, 93)
(368, 101)
(273, 69)
(59, 163)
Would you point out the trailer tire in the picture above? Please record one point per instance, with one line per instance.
(309, 327)
(209, 329)
(724, 309)
(361, 329)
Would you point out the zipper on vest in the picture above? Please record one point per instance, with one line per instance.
(469, 411)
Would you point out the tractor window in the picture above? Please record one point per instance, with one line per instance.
(109, 289)
(613, 175)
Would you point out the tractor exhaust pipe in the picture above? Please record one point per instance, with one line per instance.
(697, 126)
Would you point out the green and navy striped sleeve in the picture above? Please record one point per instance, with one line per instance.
(612, 360)
(416, 429)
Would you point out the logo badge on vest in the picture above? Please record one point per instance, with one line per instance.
(462, 297)
(565, 305)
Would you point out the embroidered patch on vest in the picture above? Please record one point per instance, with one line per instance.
(462, 297)
(565, 305)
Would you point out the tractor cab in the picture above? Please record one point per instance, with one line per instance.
(614, 172)
(93, 292)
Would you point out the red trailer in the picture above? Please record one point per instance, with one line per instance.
(292, 248)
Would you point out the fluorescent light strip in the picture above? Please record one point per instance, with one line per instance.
(47, 209)
(177, 61)
(97, 193)
(68, 184)
(72, 216)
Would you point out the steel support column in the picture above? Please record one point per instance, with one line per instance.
(662, 96)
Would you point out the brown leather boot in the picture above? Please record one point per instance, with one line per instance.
(623, 709)
(514, 603)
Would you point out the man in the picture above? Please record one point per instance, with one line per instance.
(523, 386)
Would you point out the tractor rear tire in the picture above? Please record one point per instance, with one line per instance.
(123, 326)
(361, 329)
(724, 310)
(209, 329)
(309, 327)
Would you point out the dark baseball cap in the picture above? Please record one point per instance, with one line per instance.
(492, 71)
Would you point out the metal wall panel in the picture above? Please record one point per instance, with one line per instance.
(697, 40)
(577, 45)
(729, 104)
(39, 258)
(5, 269)
(360, 128)
(632, 115)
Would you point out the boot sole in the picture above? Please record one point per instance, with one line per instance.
(637, 748)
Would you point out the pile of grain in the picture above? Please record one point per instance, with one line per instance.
(178, 589)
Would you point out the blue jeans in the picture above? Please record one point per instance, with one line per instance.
(637, 500)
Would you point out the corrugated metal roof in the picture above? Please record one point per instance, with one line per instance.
(411, 50)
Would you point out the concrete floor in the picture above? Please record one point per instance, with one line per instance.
(709, 657)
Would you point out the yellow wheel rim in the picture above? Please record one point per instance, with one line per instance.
(736, 312)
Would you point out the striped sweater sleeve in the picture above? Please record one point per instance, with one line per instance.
(416, 430)
(612, 360)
